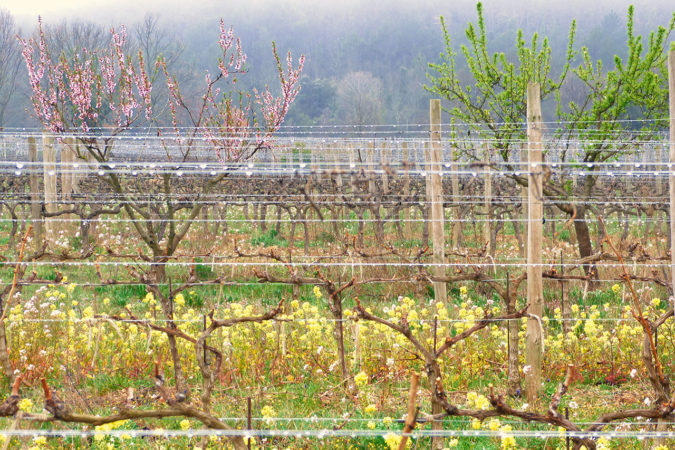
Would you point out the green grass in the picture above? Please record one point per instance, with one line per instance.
(269, 239)
(103, 383)
(204, 272)
(122, 295)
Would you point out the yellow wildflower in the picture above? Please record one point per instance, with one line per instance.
(179, 299)
(25, 404)
(361, 379)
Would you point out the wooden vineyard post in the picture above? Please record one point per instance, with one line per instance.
(488, 198)
(658, 167)
(437, 224)
(370, 166)
(406, 190)
(426, 213)
(337, 167)
(533, 353)
(524, 192)
(671, 167)
(67, 175)
(384, 162)
(437, 211)
(49, 162)
(457, 214)
(35, 201)
(68, 157)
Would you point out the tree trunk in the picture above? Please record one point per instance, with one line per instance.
(584, 239)
(4, 353)
(278, 225)
(263, 218)
(159, 277)
(336, 309)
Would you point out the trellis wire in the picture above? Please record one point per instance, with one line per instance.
(326, 433)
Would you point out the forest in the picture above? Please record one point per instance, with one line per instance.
(366, 64)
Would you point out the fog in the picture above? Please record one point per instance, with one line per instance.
(389, 42)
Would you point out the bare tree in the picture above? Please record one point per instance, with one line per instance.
(10, 61)
(359, 98)
(156, 41)
(70, 38)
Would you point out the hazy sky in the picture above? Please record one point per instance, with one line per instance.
(125, 8)
(180, 12)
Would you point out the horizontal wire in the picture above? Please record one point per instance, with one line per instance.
(243, 199)
(345, 221)
(113, 166)
(321, 319)
(326, 264)
(375, 133)
(122, 284)
(381, 419)
(328, 433)
(416, 124)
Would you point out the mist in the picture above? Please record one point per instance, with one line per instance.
(389, 43)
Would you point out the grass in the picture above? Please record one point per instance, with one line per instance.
(305, 395)
(269, 239)
(121, 295)
(103, 383)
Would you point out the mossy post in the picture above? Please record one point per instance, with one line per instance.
(535, 298)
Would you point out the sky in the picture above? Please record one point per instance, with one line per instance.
(110, 9)
(180, 12)
(58, 9)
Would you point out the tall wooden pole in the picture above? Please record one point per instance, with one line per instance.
(457, 213)
(35, 200)
(370, 160)
(406, 190)
(671, 89)
(437, 226)
(384, 163)
(437, 211)
(49, 162)
(67, 159)
(535, 298)
(524, 196)
(487, 200)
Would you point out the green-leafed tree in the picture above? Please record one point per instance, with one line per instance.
(627, 102)
(491, 101)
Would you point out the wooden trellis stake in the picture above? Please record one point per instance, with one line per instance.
(535, 297)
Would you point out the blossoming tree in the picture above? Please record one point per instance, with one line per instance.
(99, 95)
